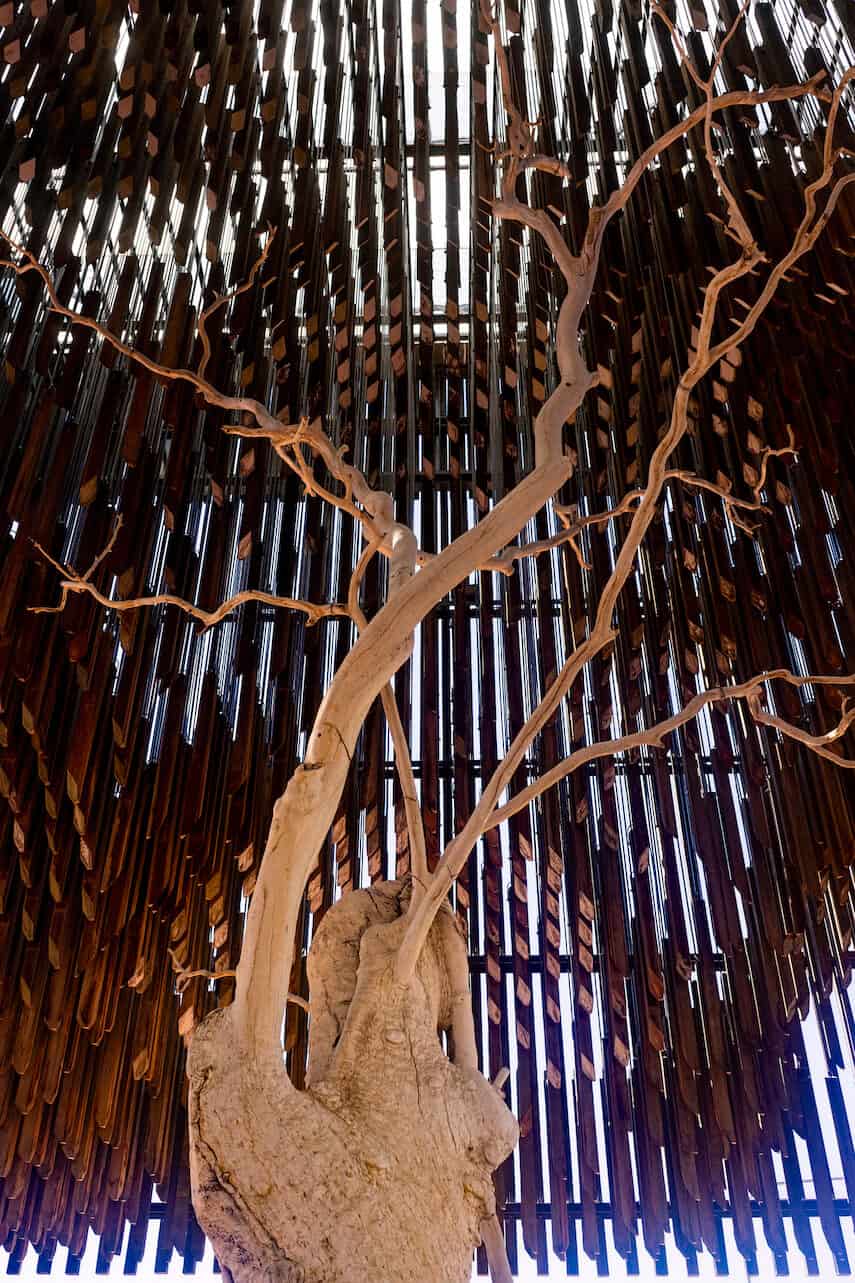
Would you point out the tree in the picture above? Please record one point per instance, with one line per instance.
(344, 1180)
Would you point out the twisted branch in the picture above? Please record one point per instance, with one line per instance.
(703, 358)
(768, 453)
(27, 262)
(403, 760)
(72, 583)
(184, 975)
(220, 300)
(654, 736)
(575, 525)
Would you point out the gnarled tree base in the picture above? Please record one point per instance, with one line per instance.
(380, 1172)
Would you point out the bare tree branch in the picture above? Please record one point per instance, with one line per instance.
(575, 525)
(184, 975)
(303, 815)
(766, 454)
(27, 262)
(654, 736)
(75, 583)
(703, 358)
(221, 300)
(403, 760)
(377, 516)
(601, 215)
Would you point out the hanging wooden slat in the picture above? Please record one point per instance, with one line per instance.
(647, 938)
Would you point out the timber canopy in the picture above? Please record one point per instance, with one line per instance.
(647, 939)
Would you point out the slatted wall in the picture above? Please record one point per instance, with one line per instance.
(647, 940)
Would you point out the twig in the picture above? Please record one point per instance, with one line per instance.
(766, 454)
(220, 300)
(378, 511)
(736, 224)
(183, 978)
(76, 583)
(102, 555)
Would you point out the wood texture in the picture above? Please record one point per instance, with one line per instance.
(643, 942)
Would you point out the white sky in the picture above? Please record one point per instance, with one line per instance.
(677, 1271)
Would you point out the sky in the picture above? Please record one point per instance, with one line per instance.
(527, 1269)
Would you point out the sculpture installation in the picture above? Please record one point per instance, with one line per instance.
(381, 1167)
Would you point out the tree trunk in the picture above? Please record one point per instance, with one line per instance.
(380, 1172)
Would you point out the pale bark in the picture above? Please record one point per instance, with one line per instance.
(381, 1169)
(704, 357)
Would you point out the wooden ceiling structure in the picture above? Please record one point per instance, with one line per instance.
(648, 940)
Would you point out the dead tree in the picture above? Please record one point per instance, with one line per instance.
(381, 1169)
